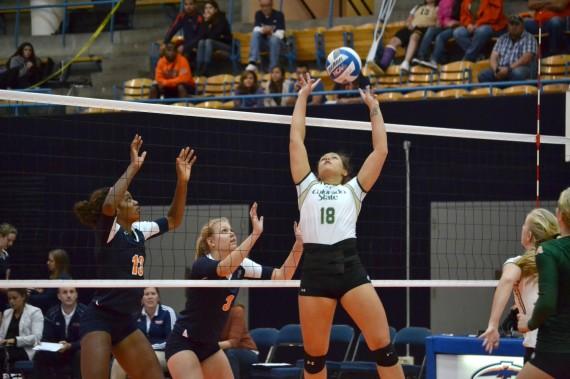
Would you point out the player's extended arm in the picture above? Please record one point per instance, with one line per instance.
(184, 163)
(288, 268)
(372, 166)
(117, 192)
(230, 263)
(511, 274)
(298, 157)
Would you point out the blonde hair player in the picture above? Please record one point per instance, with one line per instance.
(332, 271)
(521, 278)
(193, 348)
(551, 315)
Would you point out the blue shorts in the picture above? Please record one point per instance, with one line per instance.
(177, 342)
(118, 325)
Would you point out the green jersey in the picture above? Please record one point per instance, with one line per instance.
(552, 310)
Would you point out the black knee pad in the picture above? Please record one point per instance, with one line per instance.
(386, 356)
(314, 365)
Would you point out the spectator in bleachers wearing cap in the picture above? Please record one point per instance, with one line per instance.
(553, 14)
(351, 98)
(294, 87)
(61, 325)
(218, 36)
(173, 75)
(248, 85)
(513, 56)
(268, 34)
(420, 19)
(480, 21)
(191, 21)
(156, 321)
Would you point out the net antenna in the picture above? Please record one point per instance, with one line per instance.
(386, 8)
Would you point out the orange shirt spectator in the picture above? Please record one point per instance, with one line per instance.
(173, 75)
(490, 12)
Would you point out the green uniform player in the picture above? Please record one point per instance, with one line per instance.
(552, 310)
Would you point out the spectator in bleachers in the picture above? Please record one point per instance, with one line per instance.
(173, 75)
(21, 328)
(218, 36)
(553, 14)
(420, 19)
(8, 234)
(447, 20)
(58, 267)
(351, 98)
(277, 84)
(294, 87)
(478, 26)
(24, 60)
(156, 322)
(193, 29)
(248, 85)
(237, 344)
(268, 34)
(61, 325)
(513, 55)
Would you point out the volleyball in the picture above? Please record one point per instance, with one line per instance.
(343, 65)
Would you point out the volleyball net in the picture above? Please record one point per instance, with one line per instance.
(452, 200)
(446, 212)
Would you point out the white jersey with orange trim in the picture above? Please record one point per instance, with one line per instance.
(328, 212)
(525, 293)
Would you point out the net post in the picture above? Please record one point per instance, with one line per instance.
(407, 145)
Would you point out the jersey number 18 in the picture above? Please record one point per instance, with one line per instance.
(327, 215)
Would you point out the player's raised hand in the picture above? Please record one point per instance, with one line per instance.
(368, 97)
(184, 162)
(308, 84)
(137, 159)
(256, 222)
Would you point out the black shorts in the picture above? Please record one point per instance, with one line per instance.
(331, 270)
(176, 342)
(118, 325)
(404, 34)
(554, 364)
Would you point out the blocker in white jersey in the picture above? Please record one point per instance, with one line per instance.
(328, 211)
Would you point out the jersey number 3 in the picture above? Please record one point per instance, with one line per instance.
(138, 265)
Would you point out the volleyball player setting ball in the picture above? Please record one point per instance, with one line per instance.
(329, 203)
(108, 326)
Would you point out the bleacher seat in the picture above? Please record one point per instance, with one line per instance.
(137, 88)
(519, 90)
(455, 73)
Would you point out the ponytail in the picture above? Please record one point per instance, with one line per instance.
(89, 211)
(207, 230)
